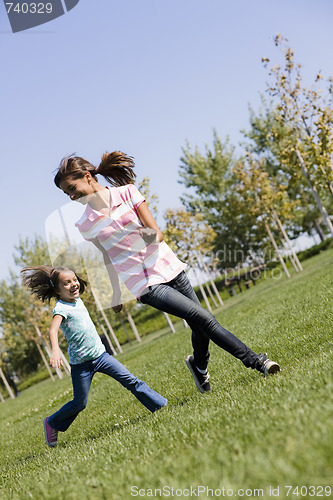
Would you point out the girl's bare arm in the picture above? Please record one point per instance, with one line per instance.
(149, 222)
(55, 360)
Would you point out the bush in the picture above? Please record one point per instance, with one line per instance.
(315, 249)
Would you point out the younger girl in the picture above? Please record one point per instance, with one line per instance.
(118, 222)
(86, 351)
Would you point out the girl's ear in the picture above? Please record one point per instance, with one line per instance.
(88, 177)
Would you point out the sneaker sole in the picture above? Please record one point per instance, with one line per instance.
(197, 383)
(273, 369)
(53, 445)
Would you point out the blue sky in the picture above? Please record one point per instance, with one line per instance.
(142, 76)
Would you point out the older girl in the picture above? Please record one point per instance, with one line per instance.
(86, 351)
(118, 222)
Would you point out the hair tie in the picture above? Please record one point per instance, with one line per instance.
(51, 283)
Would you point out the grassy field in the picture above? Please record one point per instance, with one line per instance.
(250, 436)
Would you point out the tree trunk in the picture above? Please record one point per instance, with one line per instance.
(277, 218)
(123, 324)
(108, 339)
(10, 392)
(315, 193)
(277, 250)
(2, 398)
(319, 230)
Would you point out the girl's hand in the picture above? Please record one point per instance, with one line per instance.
(118, 308)
(55, 360)
(149, 235)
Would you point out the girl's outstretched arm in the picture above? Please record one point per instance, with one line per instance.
(55, 360)
(148, 221)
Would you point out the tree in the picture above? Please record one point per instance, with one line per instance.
(212, 178)
(310, 120)
(21, 313)
(192, 239)
(17, 335)
(271, 139)
(262, 199)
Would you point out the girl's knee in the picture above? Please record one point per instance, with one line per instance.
(200, 315)
(80, 404)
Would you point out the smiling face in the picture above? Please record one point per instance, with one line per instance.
(79, 189)
(68, 286)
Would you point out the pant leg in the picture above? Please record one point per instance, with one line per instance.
(200, 341)
(167, 297)
(82, 375)
(148, 397)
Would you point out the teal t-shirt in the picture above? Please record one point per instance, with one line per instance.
(84, 343)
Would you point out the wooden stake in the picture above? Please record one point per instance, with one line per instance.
(211, 280)
(131, 322)
(169, 322)
(203, 292)
(277, 249)
(100, 308)
(275, 215)
(48, 352)
(10, 392)
(44, 360)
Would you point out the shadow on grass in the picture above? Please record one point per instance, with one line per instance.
(118, 427)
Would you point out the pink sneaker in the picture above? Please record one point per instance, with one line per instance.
(51, 435)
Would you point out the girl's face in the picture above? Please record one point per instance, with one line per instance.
(78, 189)
(68, 286)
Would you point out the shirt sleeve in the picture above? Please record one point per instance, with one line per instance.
(58, 309)
(135, 196)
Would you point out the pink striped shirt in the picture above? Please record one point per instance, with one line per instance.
(138, 264)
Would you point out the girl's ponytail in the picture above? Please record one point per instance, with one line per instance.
(42, 281)
(117, 168)
(38, 280)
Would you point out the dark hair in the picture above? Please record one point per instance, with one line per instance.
(42, 281)
(115, 167)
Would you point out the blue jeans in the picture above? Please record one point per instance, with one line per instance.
(177, 297)
(82, 375)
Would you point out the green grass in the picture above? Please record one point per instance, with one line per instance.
(248, 433)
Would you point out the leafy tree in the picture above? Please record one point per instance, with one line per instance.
(308, 116)
(188, 235)
(17, 335)
(272, 140)
(261, 197)
(213, 179)
(193, 241)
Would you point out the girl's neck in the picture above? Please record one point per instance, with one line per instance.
(100, 199)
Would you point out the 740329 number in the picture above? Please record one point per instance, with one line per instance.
(309, 491)
(29, 8)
